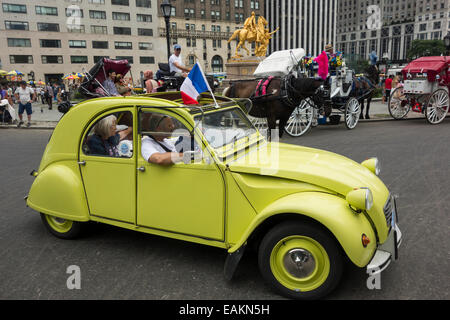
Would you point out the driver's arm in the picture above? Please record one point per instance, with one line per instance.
(166, 158)
(176, 64)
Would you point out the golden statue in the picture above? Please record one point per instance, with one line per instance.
(253, 32)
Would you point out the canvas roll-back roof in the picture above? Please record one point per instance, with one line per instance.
(279, 63)
(430, 65)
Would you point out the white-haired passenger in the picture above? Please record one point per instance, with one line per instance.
(105, 139)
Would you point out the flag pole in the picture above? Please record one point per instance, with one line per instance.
(210, 90)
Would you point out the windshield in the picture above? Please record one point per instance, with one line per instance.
(223, 127)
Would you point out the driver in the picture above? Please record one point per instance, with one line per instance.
(156, 148)
(176, 63)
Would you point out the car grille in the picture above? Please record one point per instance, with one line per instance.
(388, 210)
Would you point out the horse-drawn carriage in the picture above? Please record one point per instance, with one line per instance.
(425, 89)
(303, 97)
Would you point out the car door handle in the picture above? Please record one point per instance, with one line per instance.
(142, 169)
(82, 163)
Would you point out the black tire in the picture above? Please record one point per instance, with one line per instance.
(63, 229)
(290, 231)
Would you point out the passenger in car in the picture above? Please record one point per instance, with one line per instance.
(156, 148)
(105, 139)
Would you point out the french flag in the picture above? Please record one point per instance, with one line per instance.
(194, 84)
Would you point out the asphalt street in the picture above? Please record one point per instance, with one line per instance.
(122, 264)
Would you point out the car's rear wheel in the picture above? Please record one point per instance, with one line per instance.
(300, 260)
(62, 228)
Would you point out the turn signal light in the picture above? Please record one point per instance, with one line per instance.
(365, 240)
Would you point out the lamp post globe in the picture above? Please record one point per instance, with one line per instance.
(166, 9)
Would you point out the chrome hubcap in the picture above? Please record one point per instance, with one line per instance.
(299, 263)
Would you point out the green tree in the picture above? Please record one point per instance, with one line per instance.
(425, 48)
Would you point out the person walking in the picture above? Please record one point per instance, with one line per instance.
(388, 87)
(25, 96)
(49, 95)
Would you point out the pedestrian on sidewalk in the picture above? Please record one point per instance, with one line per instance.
(388, 87)
(49, 95)
(25, 96)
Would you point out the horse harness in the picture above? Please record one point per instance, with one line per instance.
(286, 94)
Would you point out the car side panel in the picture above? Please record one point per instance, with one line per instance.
(58, 191)
(329, 210)
(240, 212)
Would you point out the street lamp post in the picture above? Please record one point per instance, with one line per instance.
(166, 9)
(447, 43)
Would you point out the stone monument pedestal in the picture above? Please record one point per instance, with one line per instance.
(242, 68)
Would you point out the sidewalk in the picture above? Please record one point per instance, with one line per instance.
(47, 119)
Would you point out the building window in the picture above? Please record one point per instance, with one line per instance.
(15, 42)
(73, 12)
(217, 64)
(16, 25)
(50, 43)
(94, 14)
(129, 58)
(145, 46)
(20, 59)
(77, 44)
(52, 59)
(75, 28)
(145, 32)
(49, 27)
(147, 60)
(78, 59)
(100, 44)
(143, 3)
(144, 18)
(47, 11)
(120, 2)
(121, 16)
(98, 58)
(14, 8)
(97, 1)
(437, 25)
(119, 30)
(123, 45)
(99, 29)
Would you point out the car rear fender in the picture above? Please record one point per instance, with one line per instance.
(332, 212)
(58, 191)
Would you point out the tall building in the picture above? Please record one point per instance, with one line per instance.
(308, 24)
(202, 28)
(400, 22)
(51, 38)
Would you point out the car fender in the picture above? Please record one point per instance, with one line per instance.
(332, 212)
(58, 191)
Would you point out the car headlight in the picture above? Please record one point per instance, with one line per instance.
(373, 165)
(360, 199)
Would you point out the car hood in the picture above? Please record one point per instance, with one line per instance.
(322, 168)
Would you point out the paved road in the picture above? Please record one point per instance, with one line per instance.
(121, 264)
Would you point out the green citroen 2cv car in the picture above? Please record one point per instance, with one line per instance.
(305, 210)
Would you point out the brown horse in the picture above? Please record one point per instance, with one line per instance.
(273, 106)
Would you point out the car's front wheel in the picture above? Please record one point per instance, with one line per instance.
(62, 228)
(300, 260)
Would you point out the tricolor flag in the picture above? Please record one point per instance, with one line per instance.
(194, 84)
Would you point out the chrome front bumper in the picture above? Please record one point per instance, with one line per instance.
(388, 251)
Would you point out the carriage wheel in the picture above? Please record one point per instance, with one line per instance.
(398, 108)
(437, 106)
(259, 123)
(300, 120)
(352, 112)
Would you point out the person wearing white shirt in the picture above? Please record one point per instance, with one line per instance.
(176, 63)
(156, 148)
(23, 95)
